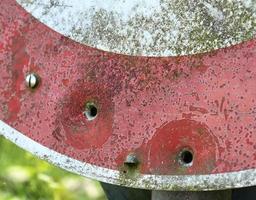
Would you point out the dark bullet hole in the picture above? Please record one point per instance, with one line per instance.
(186, 158)
(91, 111)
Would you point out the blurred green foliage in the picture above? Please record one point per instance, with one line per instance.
(24, 177)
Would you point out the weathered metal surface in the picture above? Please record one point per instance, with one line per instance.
(149, 27)
(92, 109)
(217, 181)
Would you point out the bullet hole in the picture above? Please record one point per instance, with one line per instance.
(186, 158)
(91, 111)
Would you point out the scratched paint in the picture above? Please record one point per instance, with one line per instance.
(149, 28)
(207, 98)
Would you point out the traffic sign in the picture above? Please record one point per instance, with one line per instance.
(116, 92)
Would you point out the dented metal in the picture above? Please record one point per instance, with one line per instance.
(154, 107)
(154, 182)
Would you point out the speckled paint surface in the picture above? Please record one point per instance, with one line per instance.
(151, 106)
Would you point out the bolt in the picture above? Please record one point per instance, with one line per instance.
(32, 80)
(131, 160)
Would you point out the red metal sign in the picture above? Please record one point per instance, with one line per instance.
(181, 122)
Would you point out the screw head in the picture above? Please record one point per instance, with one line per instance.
(131, 160)
(32, 80)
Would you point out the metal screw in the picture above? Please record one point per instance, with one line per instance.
(131, 160)
(32, 80)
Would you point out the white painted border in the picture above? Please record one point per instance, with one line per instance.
(148, 27)
(154, 182)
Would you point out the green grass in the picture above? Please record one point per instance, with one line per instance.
(25, 177)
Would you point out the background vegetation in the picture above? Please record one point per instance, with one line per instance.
(24, 177)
